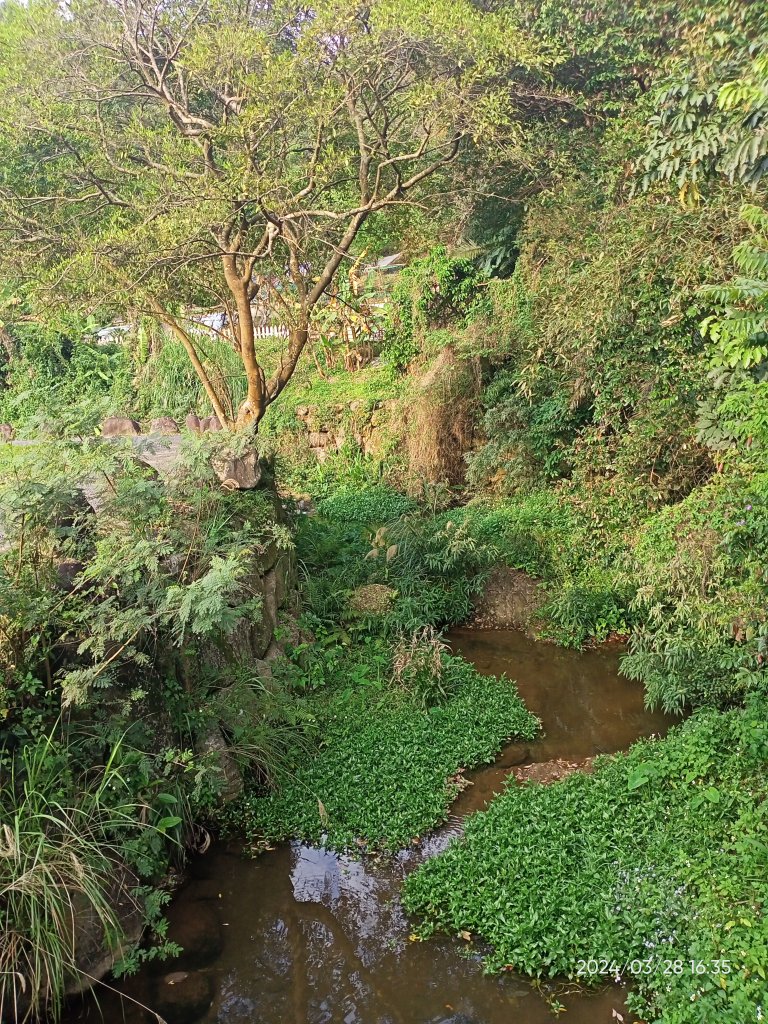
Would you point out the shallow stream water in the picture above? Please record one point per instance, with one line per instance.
(304, 936)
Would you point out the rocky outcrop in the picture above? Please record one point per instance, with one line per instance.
(328, 430)
(511, 599)
(95, 952)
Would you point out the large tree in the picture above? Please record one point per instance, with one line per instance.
(165, 156)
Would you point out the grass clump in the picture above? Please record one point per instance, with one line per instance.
(386, 770)
(62, 859)
(659, 857)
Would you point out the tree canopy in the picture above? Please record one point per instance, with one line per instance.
(169, 157)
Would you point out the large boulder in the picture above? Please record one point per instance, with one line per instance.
(120, 426)
(164, 425)
(192, 422)
(183, 997)
(95, 952)
(239, 472)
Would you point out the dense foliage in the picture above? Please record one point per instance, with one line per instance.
(568, 376)
(115, 590)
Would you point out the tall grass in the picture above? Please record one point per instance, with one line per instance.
(167, 384)
(60, 862)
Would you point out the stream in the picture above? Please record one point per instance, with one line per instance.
(301, 935)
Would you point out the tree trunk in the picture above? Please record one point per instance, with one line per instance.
(253, 407)
(7, 343)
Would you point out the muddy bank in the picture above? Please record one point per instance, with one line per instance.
(510, 599)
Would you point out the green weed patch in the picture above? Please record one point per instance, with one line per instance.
(385, 772)
(655, 868)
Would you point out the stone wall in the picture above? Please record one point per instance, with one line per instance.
(329, 429)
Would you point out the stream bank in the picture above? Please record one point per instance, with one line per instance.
(307, 935)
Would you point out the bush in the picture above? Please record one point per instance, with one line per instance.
(590, 607)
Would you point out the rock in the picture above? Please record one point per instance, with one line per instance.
(7, 433)
(357, 404)
(164, 425)
(274, 651)
(267, 558)
(195, 926)
(210, 423)
(239, 472)
(262, 668)
(192, 422)
(119, 426)
(319, 439)
(213, 743)
(302, 411)
(95, 956)
(510, 600)
(182, 997)
(66, 573)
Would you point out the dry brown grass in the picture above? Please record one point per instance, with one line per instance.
(441, 421)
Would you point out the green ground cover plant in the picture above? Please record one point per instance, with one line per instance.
(395, 716)
(388, 768)
(660, 856)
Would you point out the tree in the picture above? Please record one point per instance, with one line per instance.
(167, 156)
(711, 115)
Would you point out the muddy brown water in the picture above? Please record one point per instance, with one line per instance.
(302, 935)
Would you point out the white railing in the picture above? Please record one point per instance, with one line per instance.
(270, 332)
